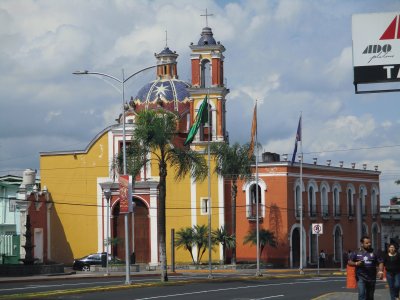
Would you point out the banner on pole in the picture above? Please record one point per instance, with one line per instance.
(125, 194)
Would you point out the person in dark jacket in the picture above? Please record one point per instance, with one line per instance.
(366, 260)
(391, 261)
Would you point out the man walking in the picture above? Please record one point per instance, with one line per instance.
(366, 260)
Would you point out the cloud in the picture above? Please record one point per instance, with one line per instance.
(293, 56)
(51, 115)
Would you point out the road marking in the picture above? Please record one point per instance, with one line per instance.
(233, 288)
(270, 297)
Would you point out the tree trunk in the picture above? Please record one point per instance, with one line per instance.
(234, 192)
(162, 194)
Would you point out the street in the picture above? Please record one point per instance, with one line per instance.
(180, 287)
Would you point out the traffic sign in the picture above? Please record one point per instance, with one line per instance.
(317, 228)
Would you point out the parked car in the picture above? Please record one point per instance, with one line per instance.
(84, 263)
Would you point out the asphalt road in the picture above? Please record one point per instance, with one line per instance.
(220, 288)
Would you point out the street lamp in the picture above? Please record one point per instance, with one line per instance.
(122, 82)
(106, 187)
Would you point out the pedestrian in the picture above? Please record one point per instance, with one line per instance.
(366, 260)
(322, 258)
(391, 261)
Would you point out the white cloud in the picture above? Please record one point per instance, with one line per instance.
(293, 56)
(340, 68)
(51, 115)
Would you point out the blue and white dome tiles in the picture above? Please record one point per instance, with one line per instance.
(172, 94)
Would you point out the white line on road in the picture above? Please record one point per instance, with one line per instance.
(270, 297)
(233, 288)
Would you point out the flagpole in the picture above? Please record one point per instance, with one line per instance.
(210, 276)
(301, 198)
(258, 273)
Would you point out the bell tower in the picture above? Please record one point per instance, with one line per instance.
(207, 63)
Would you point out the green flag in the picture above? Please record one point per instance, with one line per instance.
(201, 117)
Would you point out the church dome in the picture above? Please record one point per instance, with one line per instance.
(206, 37)
(168, 90)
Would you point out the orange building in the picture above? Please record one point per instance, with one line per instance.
(330, 197)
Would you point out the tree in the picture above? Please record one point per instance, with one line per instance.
(200, 239)
(184, 239)
(189, 237)
(266, 237)
(153, 139)
(233, 163)
(222, 237)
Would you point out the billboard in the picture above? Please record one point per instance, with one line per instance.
(376, 48)
(125, 194)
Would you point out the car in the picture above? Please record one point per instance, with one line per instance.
(84, 263)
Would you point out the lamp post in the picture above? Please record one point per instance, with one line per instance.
(122, 82)
(106, 187)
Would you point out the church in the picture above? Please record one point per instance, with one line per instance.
(82, 217)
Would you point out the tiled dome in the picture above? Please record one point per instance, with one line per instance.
(171, 90)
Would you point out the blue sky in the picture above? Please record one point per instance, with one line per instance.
(293, 56)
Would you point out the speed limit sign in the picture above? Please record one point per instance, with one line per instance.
(317, 228)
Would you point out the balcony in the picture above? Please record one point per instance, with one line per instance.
(252, 217)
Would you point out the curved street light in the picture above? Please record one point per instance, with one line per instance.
(122, 82)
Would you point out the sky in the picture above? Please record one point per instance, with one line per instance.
(293, 56)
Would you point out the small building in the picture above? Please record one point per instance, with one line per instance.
(390, 216)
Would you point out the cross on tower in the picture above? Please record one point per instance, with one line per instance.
(166, 38)
(206, 15)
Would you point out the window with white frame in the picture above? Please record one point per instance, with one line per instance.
(297, 201)
(250, 188)
(324, 202)
(312, 202)
(337, 244)
(374, 202)
(253, 200)
(362, 199)
(336, 202)
(350, 202)
(204, 206)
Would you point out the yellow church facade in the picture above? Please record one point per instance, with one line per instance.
(82, 219)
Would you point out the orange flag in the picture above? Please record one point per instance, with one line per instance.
(253, 131)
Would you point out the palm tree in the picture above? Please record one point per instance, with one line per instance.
(154, 133)
(200, 239)
(222, 237)
(184, 239)
(266, 237)
(233, 163)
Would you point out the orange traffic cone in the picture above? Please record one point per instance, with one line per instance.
(351, 277)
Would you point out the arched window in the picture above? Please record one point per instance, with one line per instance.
(312, 188)
(350, 202)
(337, 244)
(324, 202)
(250, 188)
(362, 199)
(253, 201)
(374, 202)
(311, 202)
(297, 201)
(336, 202)
(206, 128)
(205, 73)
